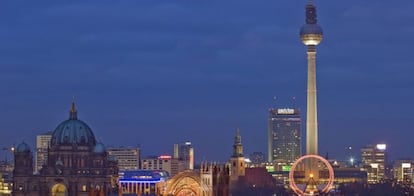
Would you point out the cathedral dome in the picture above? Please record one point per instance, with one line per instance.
(23, 147)
(73, 132)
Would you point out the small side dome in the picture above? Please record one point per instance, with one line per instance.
(99, 148)
(23, 147)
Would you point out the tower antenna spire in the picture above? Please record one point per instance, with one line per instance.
(238, 136)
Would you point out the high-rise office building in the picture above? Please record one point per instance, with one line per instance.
(185, 151)
(373, 162)
(284, 139)
(42, 146)
(128, 157)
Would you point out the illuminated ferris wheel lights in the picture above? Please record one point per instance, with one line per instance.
(300, 192)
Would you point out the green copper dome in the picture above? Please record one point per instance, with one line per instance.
(73, 132)
(23, 147)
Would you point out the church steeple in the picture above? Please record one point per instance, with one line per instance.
(237, 147)
(73, 114)
(237, 160)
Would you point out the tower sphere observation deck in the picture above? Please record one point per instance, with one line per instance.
(311, 33)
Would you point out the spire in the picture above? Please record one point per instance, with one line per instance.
(237, 147)
(73, 114)
(237, 139)
(311, 13)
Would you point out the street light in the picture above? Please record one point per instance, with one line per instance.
(351, 160)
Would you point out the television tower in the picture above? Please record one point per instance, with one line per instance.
(311, 35)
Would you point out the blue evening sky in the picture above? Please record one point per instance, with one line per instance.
(153, 72)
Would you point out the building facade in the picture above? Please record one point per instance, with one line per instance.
(373, 162)
(42, 147)
(403, 171)
(215, 178)
(284, 135)
(164, 162)
(77, 165)
(6, 181)
(128, 158)
(141, 182)
(184, 151)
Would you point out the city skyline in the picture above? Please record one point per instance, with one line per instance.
(145, 69)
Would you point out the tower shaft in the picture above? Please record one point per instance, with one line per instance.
(312, 113)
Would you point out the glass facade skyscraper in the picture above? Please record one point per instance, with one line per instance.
(185, 151)
(284, 135)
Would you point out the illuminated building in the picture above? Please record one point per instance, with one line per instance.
(284, 135)
(163, 162)
(128, 157)
(5, 186)
(403, 171)
(185, 151)
(42, 145)
(141, 182)
(343, 174)
(373, 162)
(211, 180)
(237, 160)
(6, 181)
(76, 165)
